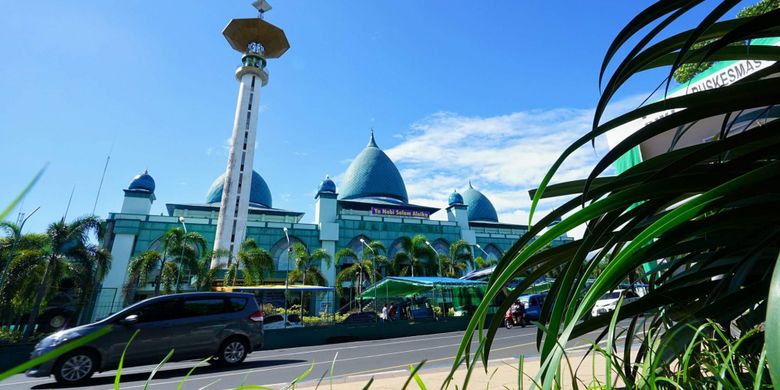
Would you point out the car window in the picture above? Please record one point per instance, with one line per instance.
(533, 302)
(237, 304)
(202, 307)
(294, 318)
(611, 295)
(631, 294)
(158, 311)
(271, 319)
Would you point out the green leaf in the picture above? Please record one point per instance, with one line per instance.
(118, 375)
(55, 353)
(24, 192)
(184, 380)
(157, 368)
(773, 326)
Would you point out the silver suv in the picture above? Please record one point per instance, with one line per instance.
(225, 326)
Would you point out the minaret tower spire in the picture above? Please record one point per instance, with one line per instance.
(258, 41)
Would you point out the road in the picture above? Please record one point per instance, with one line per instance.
(276, 368)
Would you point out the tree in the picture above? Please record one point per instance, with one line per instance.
(686, 72)
(70, 251)
(257, 264)
(415, 258)
(361, 270)
(703, 217)
(184, 247)
(481, 263)
(205, 275)
(457, 260)
(180, 251)
(307, 266)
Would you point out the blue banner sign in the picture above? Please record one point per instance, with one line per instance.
(388, 212)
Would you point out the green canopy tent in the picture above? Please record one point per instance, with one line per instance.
(460, 293)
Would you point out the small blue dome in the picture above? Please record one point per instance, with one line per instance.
(259, 196)
(373, 174)
(327, 186)
(480, 207)
(143, 182)
(455, 198)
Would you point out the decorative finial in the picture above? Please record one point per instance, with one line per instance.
(371, 141)
(470, 186)
(327, 177)
(262, 7)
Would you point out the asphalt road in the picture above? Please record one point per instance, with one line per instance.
(276, 368)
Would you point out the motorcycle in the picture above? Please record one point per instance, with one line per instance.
(512, 318)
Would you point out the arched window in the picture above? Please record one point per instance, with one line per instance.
(442, 246)
(394, 248)
(494, 253)
(357, 247)
(279, 252)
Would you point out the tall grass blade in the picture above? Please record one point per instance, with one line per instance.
(772, 327)
(57, 352)
(302, 376)
(414, 371)
(118, 375)
(22, 194)
(186, 377)
(157, 368)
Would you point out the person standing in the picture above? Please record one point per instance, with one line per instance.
(384, 313)
(391, 312)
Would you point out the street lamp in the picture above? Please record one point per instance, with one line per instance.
(287, 279)
(360, 277)
(437, 256)
(483, 251)
(13, 247)
(181, 257)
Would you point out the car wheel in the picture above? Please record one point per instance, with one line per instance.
(232, 352)
(75, 367)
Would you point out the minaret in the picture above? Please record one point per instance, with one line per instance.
(258, 40)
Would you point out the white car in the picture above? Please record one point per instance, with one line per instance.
(278, 321)
(608, 301)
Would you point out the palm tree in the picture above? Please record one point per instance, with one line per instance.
(307, 266)
(480, 262)
(415, 257)
(204, 274)
(257, 264)
(360, 270)
(70, 251)
(185, 248)
(458, 259)
(139, 268)
(180, 251)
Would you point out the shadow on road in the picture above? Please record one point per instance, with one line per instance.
(174, 373)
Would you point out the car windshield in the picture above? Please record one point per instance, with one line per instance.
(611, 295)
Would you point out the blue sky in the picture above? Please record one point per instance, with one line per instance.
(490, 92)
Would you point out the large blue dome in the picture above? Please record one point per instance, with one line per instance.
(480, 207)
(373, 175)
(259, 196)
(143, 182)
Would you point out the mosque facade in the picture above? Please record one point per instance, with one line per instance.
(371, 204)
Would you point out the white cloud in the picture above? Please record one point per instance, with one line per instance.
(504, 156)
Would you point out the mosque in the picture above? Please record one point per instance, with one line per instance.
(370, 204)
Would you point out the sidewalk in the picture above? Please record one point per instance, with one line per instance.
(501, 374)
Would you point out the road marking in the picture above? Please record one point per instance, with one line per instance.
(258, 357)
(206, 377)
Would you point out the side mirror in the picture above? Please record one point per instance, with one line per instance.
(129, 320)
